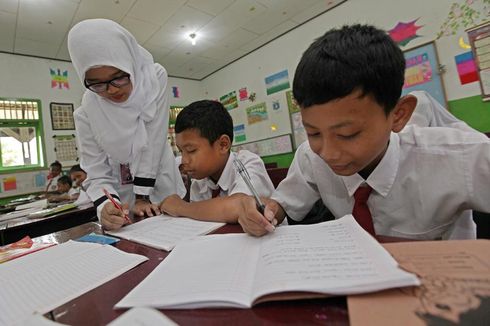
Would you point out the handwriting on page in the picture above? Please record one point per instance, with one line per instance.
(330, 255)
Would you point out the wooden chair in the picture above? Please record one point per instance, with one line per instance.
(277, 174)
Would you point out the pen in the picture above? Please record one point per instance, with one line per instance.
(116, 204)
(246, 177)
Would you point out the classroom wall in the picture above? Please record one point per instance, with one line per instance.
(29, 77)
(285, 52)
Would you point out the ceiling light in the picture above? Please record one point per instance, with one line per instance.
(193, 36)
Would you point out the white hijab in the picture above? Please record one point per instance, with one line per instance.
(119, 128)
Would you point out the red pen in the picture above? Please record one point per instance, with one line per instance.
(116, 204)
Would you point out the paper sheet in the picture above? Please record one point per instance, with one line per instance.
(46, 279)
(232, 270)
(164, 232)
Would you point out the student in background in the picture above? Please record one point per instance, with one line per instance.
(414, 183)
(204, 134)
(64, 191)
(122, 122)
(53, 176)
(78, 176)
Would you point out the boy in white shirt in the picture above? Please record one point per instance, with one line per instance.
(414, 183)
(204, 134)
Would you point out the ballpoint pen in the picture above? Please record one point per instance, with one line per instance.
(248, 181)
(116, 204)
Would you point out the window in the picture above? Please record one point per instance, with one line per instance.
(21, 134)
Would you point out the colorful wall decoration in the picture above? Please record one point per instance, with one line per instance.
(418, 70)
(466, 67)
(463, 15)
(239, 133)
(277, 82)
(59, 79)
(229, 100)
(403, 33)
(243, 94)
(257, 113)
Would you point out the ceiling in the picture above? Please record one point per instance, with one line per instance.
(226, 29)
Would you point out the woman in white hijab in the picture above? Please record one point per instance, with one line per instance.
(122, 122)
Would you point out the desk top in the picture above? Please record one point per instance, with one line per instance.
(15, 229)
(96, 307)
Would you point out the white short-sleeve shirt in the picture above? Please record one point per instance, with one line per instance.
(427, 178)
(231, 182)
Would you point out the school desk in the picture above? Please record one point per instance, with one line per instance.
(16, 229)
(96, 306)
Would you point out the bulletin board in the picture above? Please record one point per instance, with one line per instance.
(479, 38)
(268, 147)
(62, 116)
(422, 72)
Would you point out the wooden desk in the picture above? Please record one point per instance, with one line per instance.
(16, 229)
(96, 307)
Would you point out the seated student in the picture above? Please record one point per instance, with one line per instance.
(414, 183)
(54, 173)
(64, 191)
(204, 134)
(427, 113)
(78, 176)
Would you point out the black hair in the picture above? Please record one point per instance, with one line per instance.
(76, 168)
(56, 164)
(64, 179)
(210, 118)
(355, 57)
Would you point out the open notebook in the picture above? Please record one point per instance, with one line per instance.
(164, 231)
(300, 261)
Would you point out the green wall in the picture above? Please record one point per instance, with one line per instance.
(473, 111)
(282, 160)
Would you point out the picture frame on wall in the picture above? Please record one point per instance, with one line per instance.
(62, 116)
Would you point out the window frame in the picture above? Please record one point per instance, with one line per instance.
(40, 141)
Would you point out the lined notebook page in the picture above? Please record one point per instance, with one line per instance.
(164, 232)
(44, 280)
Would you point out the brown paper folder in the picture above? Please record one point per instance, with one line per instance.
(455, 288)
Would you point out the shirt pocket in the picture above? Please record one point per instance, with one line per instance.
(423, 233)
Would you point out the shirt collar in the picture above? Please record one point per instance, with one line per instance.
(225, 180)
(383, 176)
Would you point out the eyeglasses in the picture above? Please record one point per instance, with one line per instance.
(118, 82)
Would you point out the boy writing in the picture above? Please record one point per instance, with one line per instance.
(410, 184)
(204, 134)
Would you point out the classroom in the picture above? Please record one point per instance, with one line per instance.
(242, 55)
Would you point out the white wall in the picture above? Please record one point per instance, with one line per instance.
(285, 52)
(28, 77)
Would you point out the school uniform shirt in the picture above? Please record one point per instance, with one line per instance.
(123, 146)
(231, 182)
(430, 113)
(73, 191)
(427, 178)
(53, 184)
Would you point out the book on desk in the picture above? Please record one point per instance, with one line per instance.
(301, 261)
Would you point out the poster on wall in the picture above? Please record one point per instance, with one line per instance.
(466, 67)
(267, 147)
(479, 37)
(422, 73)
(277, 82)
(66, 148)
(257, 113)
(59, 79)
(229, 100)
(62, 116)
(417, 70)
(239, 133)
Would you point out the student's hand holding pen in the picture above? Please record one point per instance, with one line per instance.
(256, 224)
(113, 218)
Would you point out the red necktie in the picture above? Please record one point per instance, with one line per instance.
(361, 210)
(215, 192)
